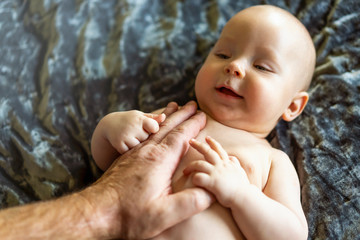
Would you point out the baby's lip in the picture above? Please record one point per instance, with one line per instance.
(227, 90)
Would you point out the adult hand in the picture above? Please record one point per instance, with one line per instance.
(133, 198)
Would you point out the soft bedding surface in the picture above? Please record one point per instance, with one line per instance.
(65, 64)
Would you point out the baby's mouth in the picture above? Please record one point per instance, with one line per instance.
(228, 91)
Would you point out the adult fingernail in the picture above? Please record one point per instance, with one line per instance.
(172, 104)
(191, 103)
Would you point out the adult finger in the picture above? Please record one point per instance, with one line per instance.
(174, 120)
(178, 139)
(191, 201)
(176, 143)
(170, 108)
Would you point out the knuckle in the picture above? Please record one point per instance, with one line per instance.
(165, 124)
(175, 137)
(198, 200)
(207, 150)
(122, 149)
(151, 152)
(135, 115)
(194, 198)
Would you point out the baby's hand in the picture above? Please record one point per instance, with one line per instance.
(125, 130)
(218, 173)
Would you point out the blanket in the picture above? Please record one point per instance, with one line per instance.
(66, 64)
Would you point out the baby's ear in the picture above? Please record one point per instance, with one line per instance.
(296, 106)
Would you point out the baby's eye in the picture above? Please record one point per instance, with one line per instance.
(222, 56)
(262, 68)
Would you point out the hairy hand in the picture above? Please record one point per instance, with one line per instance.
(135, 192)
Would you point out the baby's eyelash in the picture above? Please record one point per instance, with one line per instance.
(262, 68)
(222, 56)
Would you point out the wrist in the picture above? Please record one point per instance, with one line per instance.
(243, 195)
(100, 214)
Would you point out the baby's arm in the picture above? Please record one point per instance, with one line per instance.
(275, 213)
(118, 132)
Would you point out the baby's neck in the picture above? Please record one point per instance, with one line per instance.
(217, 124)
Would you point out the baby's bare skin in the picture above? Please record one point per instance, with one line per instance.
(256, 74)
(217, 222)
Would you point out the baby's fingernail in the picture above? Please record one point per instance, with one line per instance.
(208, 138)
(163, 117)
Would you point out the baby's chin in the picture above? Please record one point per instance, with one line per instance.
(225, 117)
(224, 120)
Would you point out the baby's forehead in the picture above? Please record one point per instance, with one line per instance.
(264, 28)
(271, 18)
(267, 15)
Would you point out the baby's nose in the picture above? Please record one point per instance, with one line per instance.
(235, 70)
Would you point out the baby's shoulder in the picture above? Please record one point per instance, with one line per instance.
(281, 162)
(279, 156)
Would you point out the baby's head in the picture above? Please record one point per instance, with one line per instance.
(258, 71)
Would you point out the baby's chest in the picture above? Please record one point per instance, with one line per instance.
(254, 160)
(253, 157)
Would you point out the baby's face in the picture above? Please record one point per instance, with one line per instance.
(253, 72)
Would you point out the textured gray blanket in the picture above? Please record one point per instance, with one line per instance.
(65, 64)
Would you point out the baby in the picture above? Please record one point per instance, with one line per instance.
(256, 74)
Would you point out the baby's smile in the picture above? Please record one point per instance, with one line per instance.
(228, 92)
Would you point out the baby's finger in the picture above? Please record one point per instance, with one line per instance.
(198, 166)
(157, 117)
(150, 125)
(171, 108)
(210, 155)
(235, 160)
(122, 147)
(132, 142)
(216, 146)
(142, 135)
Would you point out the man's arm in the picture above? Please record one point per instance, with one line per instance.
(133, 199)
(64, 218)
